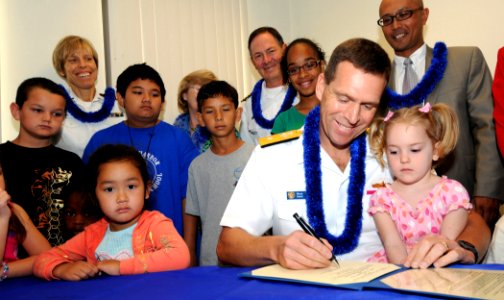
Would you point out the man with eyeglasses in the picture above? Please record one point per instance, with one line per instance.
(458, 77)
(270, 95)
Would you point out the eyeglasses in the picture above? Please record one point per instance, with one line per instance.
(401, 15)
(308, 66)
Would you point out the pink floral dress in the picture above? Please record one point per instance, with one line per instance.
(415, 222)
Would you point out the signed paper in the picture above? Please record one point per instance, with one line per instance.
(457, 282)
(347, 273)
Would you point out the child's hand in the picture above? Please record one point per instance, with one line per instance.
(75, 271)
(110, 267)
(5, 211)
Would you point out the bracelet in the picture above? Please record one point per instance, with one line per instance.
(5, 271)
(469, 247)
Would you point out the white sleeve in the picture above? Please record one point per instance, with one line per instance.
(495, 253)
(251, 206)
(245, 123)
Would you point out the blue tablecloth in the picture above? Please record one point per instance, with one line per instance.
(192, 283)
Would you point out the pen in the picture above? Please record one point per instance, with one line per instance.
(309, 230)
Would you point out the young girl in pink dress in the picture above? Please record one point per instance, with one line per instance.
(417, 202)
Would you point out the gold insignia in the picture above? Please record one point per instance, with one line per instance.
(379, 185)
(280, 138)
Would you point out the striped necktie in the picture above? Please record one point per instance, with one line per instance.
(410, 77)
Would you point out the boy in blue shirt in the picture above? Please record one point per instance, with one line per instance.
(214, 174)
(167, 150)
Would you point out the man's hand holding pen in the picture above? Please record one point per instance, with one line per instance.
(299, 251)
(309, 230)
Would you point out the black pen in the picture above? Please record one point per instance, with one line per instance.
(309, 230)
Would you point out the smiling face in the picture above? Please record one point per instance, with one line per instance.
(266, 54)
(121, 193)
(305, 81)
(41, 115)
(404, 36)
(80, 69)
(410, 152)
(348, 104)
(142, 103)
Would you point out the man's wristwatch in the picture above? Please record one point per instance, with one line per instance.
(470, 247)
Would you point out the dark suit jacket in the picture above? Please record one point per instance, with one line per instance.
(467, 88)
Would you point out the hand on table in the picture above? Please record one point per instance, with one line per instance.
(437, 250)
(110, 267)
(75, 271)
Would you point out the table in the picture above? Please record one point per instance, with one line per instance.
(193, 283)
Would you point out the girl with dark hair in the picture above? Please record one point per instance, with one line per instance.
(129, 239)
(302, 64)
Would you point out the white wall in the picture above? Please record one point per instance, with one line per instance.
(177, 37)
(29, 30)
(276, 14)
(329, 22)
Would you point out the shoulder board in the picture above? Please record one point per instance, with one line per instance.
(246, 98)
(280, 138)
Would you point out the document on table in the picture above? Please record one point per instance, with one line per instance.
(487, 284)
(347, 273)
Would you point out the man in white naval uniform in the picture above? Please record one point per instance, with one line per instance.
(278, 181)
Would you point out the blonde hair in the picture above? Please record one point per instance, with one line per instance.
(65, 47)
(199, 77)
(440, 123)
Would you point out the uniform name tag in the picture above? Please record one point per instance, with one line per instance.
(296, 195)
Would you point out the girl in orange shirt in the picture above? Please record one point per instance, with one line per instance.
(129, 239)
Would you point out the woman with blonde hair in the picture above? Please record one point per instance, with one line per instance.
(76, 61)
(186, 100)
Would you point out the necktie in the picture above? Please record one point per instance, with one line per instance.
(410, 77)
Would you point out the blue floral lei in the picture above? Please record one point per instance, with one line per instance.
(349, 239)
(92, 117)
(256, 105)
(420, 92)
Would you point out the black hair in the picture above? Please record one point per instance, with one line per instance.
(316, 48)
(89, 207)
(139, 71)
(114, 153)
(217, 88)
(37, 82)
(266, 29)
